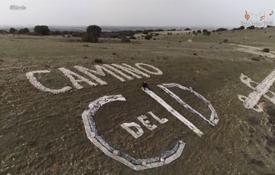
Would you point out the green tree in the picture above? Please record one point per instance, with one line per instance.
(24, 31)
(42, 30)
(12, 30)
(93, 33)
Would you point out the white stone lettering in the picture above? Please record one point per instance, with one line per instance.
(90, 73)
(144, 120)
(154, 71)
(122, 72)
(161, 121)
(99, 70)
(118, 71)
(131, 70)
(76, 78)
(129, 127)
(33, 80)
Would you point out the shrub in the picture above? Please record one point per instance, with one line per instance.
(3, 32)
(267, 50)
(221, 30)
(56, 32)
(259, 163)
(251, 27)
(206, 32)
(125, 40)
(42, 30)
(255, 59)
(239, 28)
(98, 60)
(225, 40)
(187, 29)
(145, 32)
(148, 36)
(133, 37)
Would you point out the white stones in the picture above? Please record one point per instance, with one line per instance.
(213, 120)
(259, 90)
(122, 72)
(153, 71)
(109, 150)
(33, 80)
(75, 78)
(172, 111)
(116, 152)
(133, 128)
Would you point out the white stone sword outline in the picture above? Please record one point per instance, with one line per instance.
(261, 90)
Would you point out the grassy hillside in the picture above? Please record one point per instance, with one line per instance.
(43, 133)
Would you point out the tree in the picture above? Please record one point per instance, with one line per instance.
(24, 31)
(42, 30)
(12, 30)
(93, 33)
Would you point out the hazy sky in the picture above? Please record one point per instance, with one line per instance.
(132, 12)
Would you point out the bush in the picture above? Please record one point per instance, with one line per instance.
(3, 32)
(267, 50)
(251, 27)
(187, 29)
(148, 36)
(225, 40)
(221, 30)
(93, 33)
(125, 40)
(98, 60)
(56, 32)
(42, 30)
(133, 37)
(12, 30)
(24, 31)
(206, 32)
(239, 28)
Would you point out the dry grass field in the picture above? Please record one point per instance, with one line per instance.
(43, 133)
